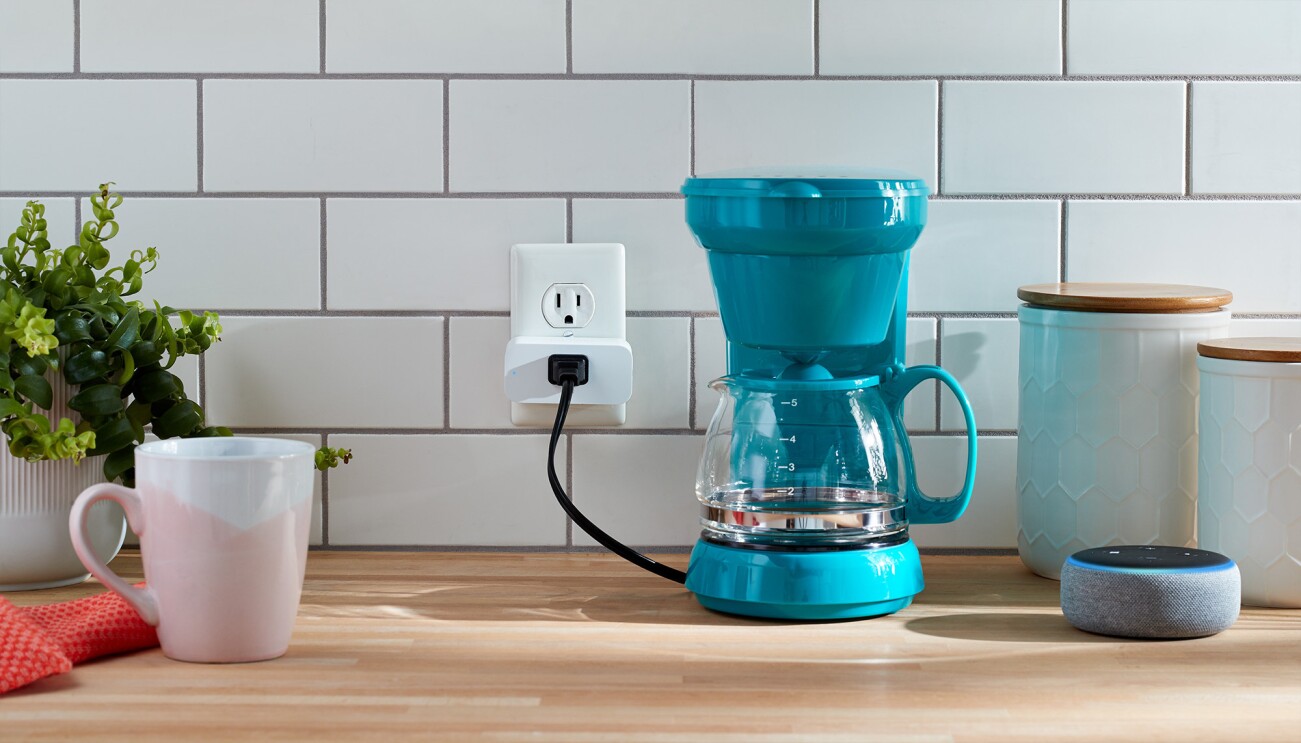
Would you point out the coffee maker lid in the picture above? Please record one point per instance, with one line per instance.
(807, 182)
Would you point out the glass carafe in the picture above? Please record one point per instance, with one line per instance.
(817, 464)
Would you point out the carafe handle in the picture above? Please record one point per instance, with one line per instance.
(922, 508)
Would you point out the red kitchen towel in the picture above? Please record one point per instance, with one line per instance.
(40, 641)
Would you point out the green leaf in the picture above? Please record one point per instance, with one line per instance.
(181, 419)
(26, 365)
(36, 389)
(112, 436)
(86, 365)
(10, 406)
(100, 399)
(127, 331)
(146, 354)
(119, 463)
(128, 368)
(156, 385)
(71, 327)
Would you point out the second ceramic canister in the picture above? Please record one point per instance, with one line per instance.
(1107, 437)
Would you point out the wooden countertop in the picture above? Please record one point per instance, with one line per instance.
(584, 648)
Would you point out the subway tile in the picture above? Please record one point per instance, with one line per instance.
(230, 36)
(959, 37)
(60, 219)
(567, 135)
(639, 489)
(310, 372)
(477, 347)
(661, 372)
(694, 36)
(445, 36)
(228, 254)
(143, 135)
(919, 407)
(431, 253)
(187, 369)
(1177, 37)
(858, 123)
(1264, 327)
(441, 490)
(1246, 138)
(953, 264)
(661, 353)
(36, 35)
(1063, 137)
(1248, 247)
(666, 269)
(711, 363)
(990, 519)
(322, 135)
(982, 354)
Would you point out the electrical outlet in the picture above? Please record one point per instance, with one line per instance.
(568, 305)
(568, 298)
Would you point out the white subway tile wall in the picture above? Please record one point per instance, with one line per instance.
(343, 179)
(1246, 138)
(229, 36)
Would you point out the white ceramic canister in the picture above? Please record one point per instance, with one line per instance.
(35, 501)
(1249, 465)
(1107, 441)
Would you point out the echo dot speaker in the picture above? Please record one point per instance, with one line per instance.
(1152, 592)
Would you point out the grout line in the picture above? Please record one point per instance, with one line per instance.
(447, 372)
(437, 313)
(692, 146)
(1065, 16)
(447, 136)
(633, 195)
(325, 263)
(198, 134)
(76, 36)
(569, 220)
(522, 431)
(76, 216)
(817, 38)
(939, 361)
(569, 486)
(630, 77)
(939, 137)
(569, 37)
(1061, 241)
(1188, 138)
(691, 374)
(325, 496)
(320, 29)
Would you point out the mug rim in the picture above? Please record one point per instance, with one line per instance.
(291, 449)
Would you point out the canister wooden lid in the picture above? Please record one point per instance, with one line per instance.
(1284, 350)
(1120, 297)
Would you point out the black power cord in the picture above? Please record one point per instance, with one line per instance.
(568, 371)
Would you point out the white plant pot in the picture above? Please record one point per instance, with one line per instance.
(1107, 442)
(35, 502)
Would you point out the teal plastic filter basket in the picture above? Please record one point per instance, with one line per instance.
(806, 260)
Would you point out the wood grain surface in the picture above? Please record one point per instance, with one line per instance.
(585, 648)
(1272, 349)
(1125, 297)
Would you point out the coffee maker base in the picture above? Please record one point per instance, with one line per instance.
(847, 584)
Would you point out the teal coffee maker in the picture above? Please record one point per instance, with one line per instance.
(807, 484)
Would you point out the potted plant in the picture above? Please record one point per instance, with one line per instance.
(84, 374)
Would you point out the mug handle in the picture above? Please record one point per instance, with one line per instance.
(144, 600)
(922, 508)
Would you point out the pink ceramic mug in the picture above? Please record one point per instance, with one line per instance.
(223, 526)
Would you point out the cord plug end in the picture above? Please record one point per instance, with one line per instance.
(563, 367)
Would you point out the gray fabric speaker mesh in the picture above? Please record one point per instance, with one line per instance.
(1158, 604)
